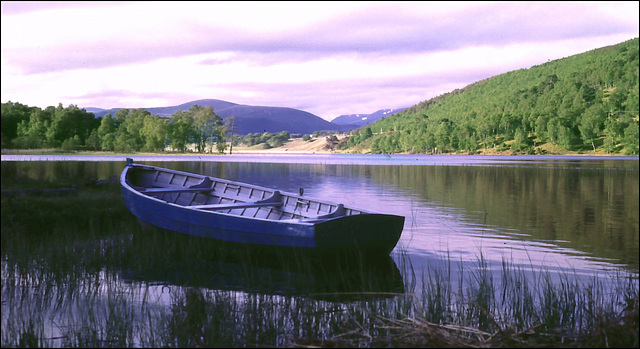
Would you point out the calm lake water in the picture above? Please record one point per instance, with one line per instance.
(576, 215)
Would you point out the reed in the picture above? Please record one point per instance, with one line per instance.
(78, 271)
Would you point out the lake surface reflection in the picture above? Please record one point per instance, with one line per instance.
(576, 215)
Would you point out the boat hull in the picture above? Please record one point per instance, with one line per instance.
(365, 232)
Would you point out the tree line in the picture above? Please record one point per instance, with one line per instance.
(128, 130)
(269, 140)
(586, 102)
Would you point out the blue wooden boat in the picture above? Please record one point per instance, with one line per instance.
(234, 212)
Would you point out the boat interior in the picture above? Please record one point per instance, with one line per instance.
(223, 196)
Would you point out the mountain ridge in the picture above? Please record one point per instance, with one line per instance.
(259, 119)
(248, 118)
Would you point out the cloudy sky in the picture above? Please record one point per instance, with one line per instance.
(327, 58)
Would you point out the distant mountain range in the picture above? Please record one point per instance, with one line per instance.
(359, 120)
(259, 119)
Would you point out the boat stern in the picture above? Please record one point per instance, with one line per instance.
(365, 233)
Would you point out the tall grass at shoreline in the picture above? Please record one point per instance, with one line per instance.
(79, 271)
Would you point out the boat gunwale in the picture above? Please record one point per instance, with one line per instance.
(301, 221)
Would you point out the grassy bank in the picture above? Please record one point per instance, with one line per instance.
(78, 271)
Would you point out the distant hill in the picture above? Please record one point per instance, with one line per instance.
(359, 120)
(250, 119)
(585, 103)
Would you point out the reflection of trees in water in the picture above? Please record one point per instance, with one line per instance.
(62, 173)
(591, 209)
(587, 205)
(590, 206)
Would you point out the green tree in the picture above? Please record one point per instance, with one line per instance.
(611, 130)
(279, 139)
(366, 133)
(251, 139)
(521, 142)
(591, 124)
(11, 115)
(131, 130)
(442, 137)
(221, 144)
(93, 141)
(180, 130)
(206, 126)
(69, 122)
(107, 133)
(633, 100)
(631, 136)
(566, 137)
(154, 133)
(71, 143)
(124, 143)
(31, 134)
(265, 137)
(617, 98)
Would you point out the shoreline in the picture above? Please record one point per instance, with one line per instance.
(265, 155)
(279, 151)
(297, 147)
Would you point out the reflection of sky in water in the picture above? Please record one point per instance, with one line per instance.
(434, 233)
(434, 229)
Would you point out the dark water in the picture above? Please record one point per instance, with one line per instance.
(562, 214)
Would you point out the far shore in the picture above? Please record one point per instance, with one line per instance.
(295, 146)
(271, 152)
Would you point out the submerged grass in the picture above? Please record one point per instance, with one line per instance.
(78, 271)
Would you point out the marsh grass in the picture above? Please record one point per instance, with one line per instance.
(79, 271)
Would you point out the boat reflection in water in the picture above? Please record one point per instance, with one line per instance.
(177, 259)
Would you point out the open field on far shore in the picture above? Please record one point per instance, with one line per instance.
(295, 145)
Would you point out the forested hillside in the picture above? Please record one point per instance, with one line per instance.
(583, 103)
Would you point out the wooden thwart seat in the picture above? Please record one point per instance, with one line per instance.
(337, 212)
(175, 190)
(206, 183)
(204, 186)
(235, 205)
(274, 201)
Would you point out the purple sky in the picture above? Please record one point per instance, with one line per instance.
(327, 58)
